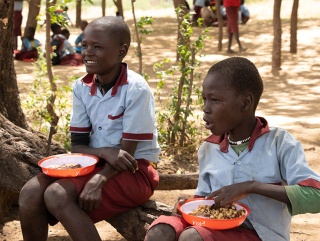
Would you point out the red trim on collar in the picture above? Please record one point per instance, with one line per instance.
(310, 183)
(260, 129)
(89, 80)
(122, 80)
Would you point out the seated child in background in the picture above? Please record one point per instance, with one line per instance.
(29, 46)
(207, 14)
(78, 41)
(245, 160)
(64, 50)
(244, 13)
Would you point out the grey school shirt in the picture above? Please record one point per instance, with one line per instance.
(273, 156)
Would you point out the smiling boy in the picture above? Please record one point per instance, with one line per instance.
(113, 118)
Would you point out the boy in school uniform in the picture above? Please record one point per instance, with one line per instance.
(113, 118)
(245, 160)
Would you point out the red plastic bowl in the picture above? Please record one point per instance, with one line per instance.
(87, 163)
(217, 224)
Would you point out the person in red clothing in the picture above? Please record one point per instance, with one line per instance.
(232, 11)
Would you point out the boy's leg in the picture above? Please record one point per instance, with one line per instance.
(160, 232)
(61, 200)
(239, 43)
(230, 36)
(33, 213)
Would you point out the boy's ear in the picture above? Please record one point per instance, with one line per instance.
(248, 101)
(123, 50)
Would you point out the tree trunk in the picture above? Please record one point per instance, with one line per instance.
(103, 6)
(20, 152)
(34, 9)
(78, 13)
(10, 105)
(294, 27)
(220, 25)
(119, 6)
(277, 32)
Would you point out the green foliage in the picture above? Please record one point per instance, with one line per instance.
(176, 120)
(34, 105)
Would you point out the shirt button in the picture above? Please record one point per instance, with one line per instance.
(100, 128)
(239, 162)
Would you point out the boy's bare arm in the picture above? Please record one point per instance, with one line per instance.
(120, 159)
(227, 195)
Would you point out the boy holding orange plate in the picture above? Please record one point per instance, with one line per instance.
(245, 160)
(114, 119)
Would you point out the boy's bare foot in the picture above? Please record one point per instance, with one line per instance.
(230, 51)
(243, 49)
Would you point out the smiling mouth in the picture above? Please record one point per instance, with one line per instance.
(90, 62)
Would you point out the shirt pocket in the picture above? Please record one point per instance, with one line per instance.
(115, 127)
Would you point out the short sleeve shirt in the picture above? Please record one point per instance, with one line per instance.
(126, 111)
(273, 156)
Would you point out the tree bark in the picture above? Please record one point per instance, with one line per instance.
(10, 105)
(103, 6)
(132, 225)
(78, 13)
(277, 32)
(220, 25)
(294, 27)
(34, 9)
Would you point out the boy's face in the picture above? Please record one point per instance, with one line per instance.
(101, 52)
(222, 106)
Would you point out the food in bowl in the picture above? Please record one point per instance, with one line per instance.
(68, 165)
(210, 211)
(191, 205)
(65, 166)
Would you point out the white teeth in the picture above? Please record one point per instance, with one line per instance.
(91, 62)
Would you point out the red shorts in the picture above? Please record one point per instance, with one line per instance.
(232, 19)
(17, 22)
(123, 192)
(179, 225)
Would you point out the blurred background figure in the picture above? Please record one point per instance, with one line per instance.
(244, 13)
(29, 46)
(17, 22)
(78, 40)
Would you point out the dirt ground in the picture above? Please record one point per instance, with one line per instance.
(290, 99)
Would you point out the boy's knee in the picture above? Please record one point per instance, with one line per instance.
(161, 232)
(30, 195)
(54, 197)
(190, 234)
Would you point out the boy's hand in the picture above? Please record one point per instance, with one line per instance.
(90, 196)
(225, 196)
(120, 160)
(176, 211)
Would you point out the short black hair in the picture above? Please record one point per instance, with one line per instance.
(114, 26)
(242, 76)
(55, 27)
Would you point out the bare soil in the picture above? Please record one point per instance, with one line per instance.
(290, 99)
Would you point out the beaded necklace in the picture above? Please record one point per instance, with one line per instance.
(238, 142)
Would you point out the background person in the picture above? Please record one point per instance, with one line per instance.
(232, 12)
(29, 46)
